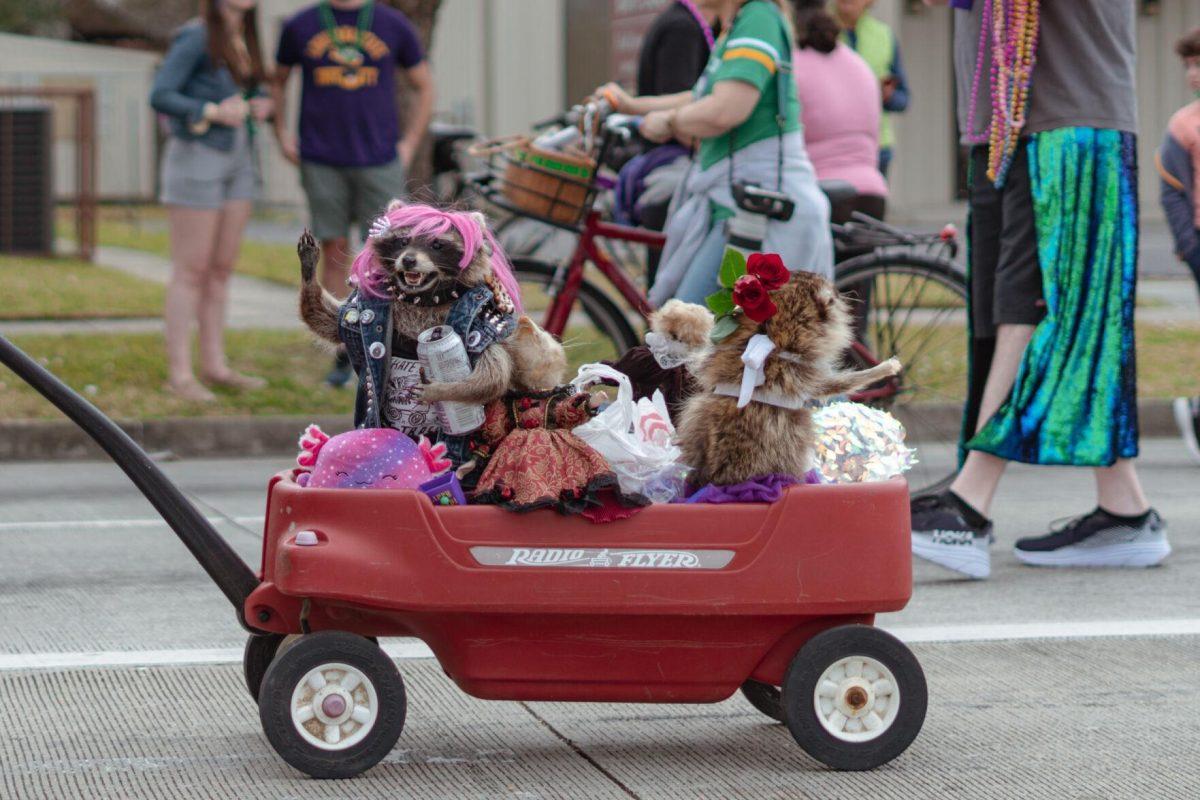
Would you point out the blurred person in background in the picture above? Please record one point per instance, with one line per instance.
(209, 87)
(1178, 163)
(839, 107)
(352, 155)
(1053, 250)
(875, 41)
(745, 117)
(674, 52)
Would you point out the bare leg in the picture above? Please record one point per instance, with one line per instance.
(1118, 489)
(981, 472)
(214, 298)
(335, 266)
(193, 232)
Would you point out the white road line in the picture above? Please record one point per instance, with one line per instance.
(412, 649)
(103, 524)
(162, 658)
(1045, 630)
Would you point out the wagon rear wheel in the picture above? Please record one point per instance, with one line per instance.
(332, 704)
(764, 697)
(259, 653)
(854, 697)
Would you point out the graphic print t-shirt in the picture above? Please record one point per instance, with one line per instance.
(348, 111)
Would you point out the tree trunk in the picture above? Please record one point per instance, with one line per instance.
(423, 15)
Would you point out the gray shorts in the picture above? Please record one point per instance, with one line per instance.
(198, 176)
(339, 197)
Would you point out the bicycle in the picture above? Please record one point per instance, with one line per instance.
(898, 279)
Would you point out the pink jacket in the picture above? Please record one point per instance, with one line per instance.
(840, 106)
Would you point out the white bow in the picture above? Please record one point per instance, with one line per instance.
(754, 357)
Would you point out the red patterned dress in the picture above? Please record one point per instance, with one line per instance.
(537, 462)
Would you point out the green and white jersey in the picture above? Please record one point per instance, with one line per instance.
(751, 51)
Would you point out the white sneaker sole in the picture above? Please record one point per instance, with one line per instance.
(1183, 418)
(970, 561)
(1134, 554)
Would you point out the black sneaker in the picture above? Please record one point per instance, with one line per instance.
(340, 374)
(1099, 539)
(1187, 417)
(951, 534)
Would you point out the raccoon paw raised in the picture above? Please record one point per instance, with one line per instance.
(310, 254)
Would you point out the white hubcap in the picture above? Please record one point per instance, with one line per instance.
(334, 706)
(857, 699)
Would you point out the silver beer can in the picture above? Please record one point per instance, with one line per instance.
(444, 359)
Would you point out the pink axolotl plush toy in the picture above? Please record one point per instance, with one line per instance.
(368, 458)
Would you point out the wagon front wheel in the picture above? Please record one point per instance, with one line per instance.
(854, 697)
(764, 697)
(332, 704)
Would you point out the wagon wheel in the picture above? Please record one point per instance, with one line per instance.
(332, 704)
(854, 697)
(259, 653)
(764, 697)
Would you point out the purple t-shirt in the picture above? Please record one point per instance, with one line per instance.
(348, 112)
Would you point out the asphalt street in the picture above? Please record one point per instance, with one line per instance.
(120, 674)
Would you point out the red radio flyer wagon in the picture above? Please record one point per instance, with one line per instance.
(679, 604)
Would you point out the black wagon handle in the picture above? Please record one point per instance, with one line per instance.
(226, 568)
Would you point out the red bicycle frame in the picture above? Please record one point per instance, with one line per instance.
(559, 311)
(586, 250)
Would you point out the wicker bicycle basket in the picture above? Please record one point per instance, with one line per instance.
(543, 183)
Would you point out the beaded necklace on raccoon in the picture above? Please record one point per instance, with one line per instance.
(1012, 28)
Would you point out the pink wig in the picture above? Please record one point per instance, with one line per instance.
(427, 221)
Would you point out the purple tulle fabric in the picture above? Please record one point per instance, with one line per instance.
(759, 489)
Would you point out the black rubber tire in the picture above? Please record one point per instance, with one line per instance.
(257, 657)
(599, 308)
(800, 685)
(764, 697)
(286, 672)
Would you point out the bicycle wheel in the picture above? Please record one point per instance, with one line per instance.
(601, 332)
(914, 307)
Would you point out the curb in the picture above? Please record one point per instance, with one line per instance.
(225, 437)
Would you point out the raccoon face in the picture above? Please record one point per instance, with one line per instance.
(415, 265)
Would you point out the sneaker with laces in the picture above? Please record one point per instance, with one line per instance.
(1099, 539)
(1187, 417)
(951, 534)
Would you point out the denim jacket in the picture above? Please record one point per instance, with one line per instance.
(186, 80)
(365, 327)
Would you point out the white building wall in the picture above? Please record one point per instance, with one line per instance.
(124, 125)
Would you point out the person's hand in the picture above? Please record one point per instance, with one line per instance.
(887, 87)
(620, 100)
(231, 111)
(261, 108)
(406, 149)
(657, 126)
(288, 146)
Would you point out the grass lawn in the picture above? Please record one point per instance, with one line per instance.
(40, 288)
(1163, 353)
(123, 374)
(145, 228)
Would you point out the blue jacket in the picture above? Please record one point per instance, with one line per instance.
(1176, 168)
(186, 80)
(365, 327)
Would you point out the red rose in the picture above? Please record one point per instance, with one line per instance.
(752, 297)
(768, 268)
